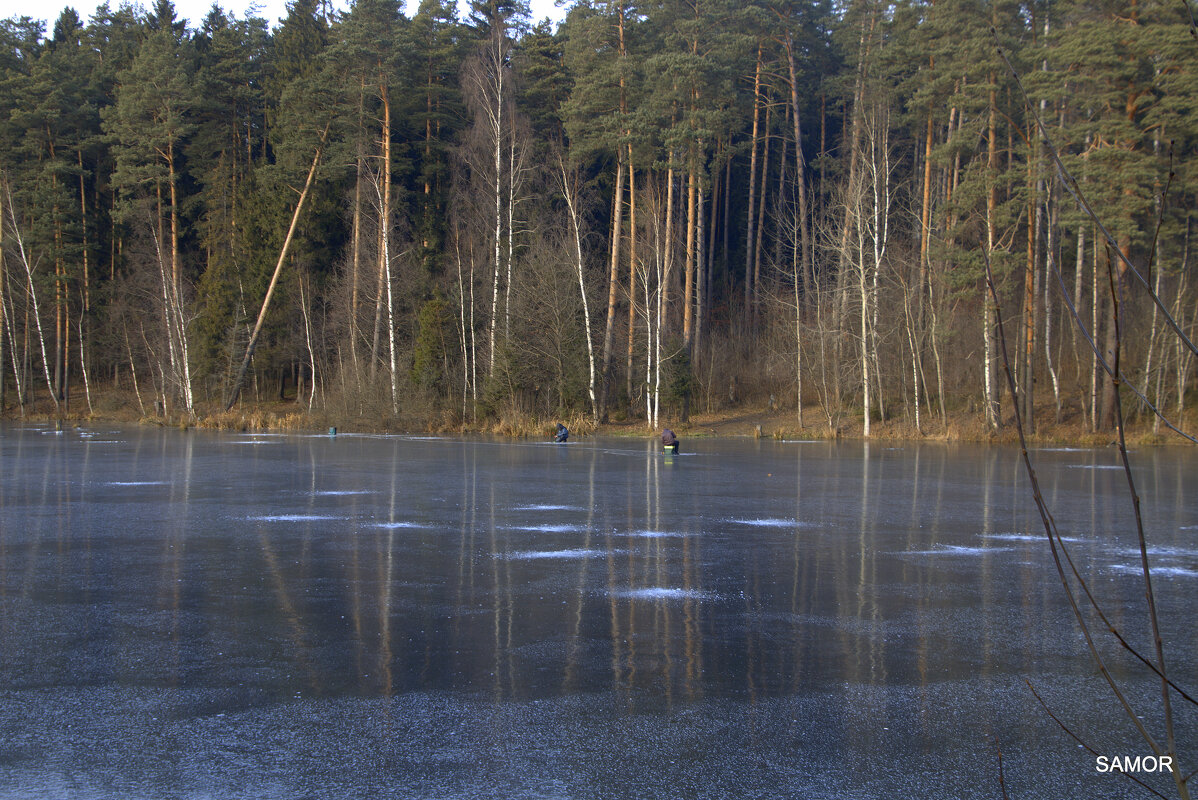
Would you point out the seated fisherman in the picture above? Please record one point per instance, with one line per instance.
(669, 440)
(562, 433)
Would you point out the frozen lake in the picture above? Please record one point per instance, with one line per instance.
(220, 615)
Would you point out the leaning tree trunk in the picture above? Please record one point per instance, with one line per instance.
(274, 279)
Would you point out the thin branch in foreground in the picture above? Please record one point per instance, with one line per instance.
(1079, 740)
(1050, 525)
(1002, 782)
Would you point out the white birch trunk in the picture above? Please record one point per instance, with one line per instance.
(133, 370)
(497, 133)
(87, 390)
(12, 350)
(586, 311)
(308, 342)
(24, 257)
(462, 326)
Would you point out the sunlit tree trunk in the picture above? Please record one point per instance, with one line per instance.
(800, 168)
(613, 283)
(749, 229)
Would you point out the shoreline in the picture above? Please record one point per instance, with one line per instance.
(740, 422)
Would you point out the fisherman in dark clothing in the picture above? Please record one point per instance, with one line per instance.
(562, 433)
(669, 441)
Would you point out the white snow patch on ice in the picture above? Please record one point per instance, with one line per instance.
(1024, 537)
(768, 522)
(534, 555)
(548, 528)
(1172, 572)
(295, 518)
(954, 550)
(545, 508)
(665, 593)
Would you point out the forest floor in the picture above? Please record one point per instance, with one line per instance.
(749, 420)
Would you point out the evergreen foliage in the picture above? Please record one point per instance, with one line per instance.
(782, 194)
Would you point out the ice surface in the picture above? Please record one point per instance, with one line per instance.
(183, 617)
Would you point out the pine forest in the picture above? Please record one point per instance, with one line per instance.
(917, 215)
